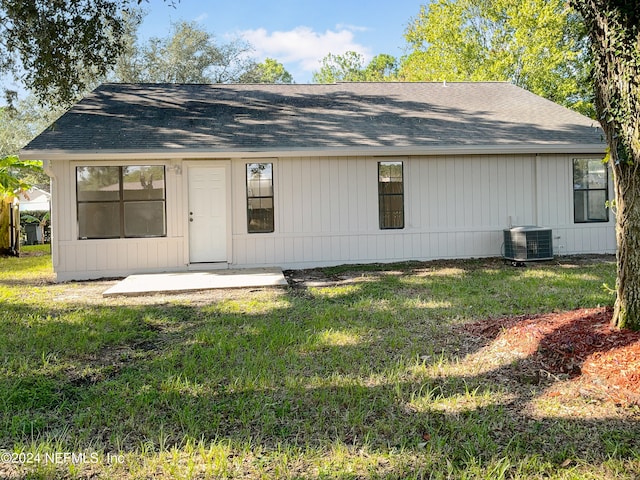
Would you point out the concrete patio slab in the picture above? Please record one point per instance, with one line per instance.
(146, 284)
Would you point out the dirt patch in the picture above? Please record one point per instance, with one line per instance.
(579, 345)
(331, 276)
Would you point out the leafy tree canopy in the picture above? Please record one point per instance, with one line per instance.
(21, 122)
(350, 67)
(269, 71)
(59, 48)
(540, 45)
(190, 54)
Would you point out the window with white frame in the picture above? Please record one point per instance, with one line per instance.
(121, 202)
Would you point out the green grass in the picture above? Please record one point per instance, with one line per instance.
(367, 378)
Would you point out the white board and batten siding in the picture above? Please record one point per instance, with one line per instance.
(326, 210)
(326, 213)
(77, 259)
(555, 209)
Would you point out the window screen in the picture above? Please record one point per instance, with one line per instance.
(121, 202)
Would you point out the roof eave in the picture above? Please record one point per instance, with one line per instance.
(132, 154)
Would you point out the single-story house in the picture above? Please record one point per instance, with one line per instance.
(33, 200)
(170, 177)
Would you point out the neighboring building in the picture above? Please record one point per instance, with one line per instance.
(151, 178)
(35, 199)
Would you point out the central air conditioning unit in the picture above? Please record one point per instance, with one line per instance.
(528, 243)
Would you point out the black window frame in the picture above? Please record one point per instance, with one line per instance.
(587, 190)
(121, 202)
(252, 196)
(383, 196)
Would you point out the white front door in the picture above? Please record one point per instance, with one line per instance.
(207, 215)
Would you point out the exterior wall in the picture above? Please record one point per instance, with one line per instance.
(554, 180)
(326, 213)
(455, 207)
(75, 259)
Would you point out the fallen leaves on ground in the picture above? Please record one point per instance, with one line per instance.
(578, 344)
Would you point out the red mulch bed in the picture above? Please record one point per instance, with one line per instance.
(579, 344)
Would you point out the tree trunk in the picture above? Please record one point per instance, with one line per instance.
(626, 313)
(613, 27)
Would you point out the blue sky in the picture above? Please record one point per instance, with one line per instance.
(298, 33)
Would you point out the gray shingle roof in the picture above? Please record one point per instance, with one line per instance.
(219, 118)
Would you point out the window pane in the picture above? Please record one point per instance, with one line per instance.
(589, 206)
(259, 180)
(597, 174)
(144, 219)
(589, 173)
(98, 183)
(390, 172)
(580, 173)
(390, 188)
(597, 209)
(143, 182)
(99, 220)
(391, 211)
(580, 206)
(260, 215)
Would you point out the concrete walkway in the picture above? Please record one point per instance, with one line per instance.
(193, 281)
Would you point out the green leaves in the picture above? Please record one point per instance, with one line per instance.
(11, 171)
(22, 122)
(350, 67)
(340, 68)
(269, 71)
(190, 54)
(538, 45)
(60, 48)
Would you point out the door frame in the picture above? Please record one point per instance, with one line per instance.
(226, 164)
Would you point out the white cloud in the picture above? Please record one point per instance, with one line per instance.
(353, 28)
(303, 46)
(201, 18)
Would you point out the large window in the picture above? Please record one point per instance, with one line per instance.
(391, 195)
(260, 197)
(120, 202)
(590, 190)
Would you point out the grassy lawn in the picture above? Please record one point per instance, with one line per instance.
(365, 376)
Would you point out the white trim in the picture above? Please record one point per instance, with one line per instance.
(196, 154)
(226, 163)
(537, 185)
